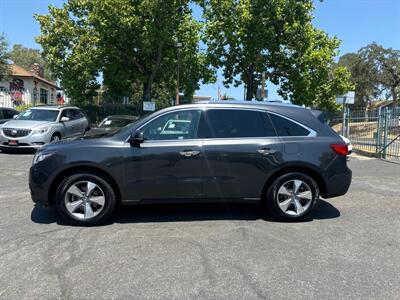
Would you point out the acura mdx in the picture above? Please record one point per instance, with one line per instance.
(282, 156)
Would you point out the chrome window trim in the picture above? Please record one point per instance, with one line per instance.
(312, 132)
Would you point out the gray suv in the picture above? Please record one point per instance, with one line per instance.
(281, 156)
(37, 126)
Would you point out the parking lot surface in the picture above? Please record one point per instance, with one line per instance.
(349, 250)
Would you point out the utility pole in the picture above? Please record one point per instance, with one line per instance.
(178, 47)
(344, 117)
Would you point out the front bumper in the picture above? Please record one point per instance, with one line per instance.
(29, 142)
(38, 185)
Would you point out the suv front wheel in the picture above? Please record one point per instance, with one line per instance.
(292, 196)
(85, 199)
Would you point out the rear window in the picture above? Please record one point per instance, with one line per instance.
(232, 123)
(285, 127)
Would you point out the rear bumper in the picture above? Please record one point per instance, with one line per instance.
(338, 184)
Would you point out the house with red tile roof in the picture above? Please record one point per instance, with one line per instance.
(27, 87)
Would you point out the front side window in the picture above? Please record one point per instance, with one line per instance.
(179, 125)
(39, 115)
(234, 123)
(285, 127)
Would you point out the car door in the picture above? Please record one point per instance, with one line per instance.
(240, 150)
(76, 122)
(68, 125)
(169, 163)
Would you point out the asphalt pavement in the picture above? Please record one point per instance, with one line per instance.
(349, 250)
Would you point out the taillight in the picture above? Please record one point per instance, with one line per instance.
(341, 149)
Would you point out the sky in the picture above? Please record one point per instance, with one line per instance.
(355, 22)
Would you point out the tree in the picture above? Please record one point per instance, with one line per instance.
(125, 41)
(363, 76)
(4, 69)
(26, 57)
(386, 67)
(248, 37)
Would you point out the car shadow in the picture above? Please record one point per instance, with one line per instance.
(185, 213)
(18, 151)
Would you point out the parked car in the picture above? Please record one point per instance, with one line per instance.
(348, 143)
(111, 124)
(275, 154)
(7, 114)
(41, 125)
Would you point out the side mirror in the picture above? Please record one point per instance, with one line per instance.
(64, 119)
(15, 116)
(136, 139)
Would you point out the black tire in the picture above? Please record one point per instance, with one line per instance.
(109, 199)
(272, 199)
(55, 136)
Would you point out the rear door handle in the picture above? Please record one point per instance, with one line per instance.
(266, 151)
(188, 153)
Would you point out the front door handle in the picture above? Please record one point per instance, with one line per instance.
(188, 153)
(266, 151)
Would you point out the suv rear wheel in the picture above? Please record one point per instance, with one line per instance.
(85, 199)
(292, 196)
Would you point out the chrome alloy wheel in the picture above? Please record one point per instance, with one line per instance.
(294, 197)
(84, 200)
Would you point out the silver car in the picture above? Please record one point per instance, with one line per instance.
(41, 125)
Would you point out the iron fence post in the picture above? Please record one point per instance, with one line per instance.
(378, 131)
(385, 131)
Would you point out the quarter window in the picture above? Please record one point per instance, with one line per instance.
(177, 125)
(285, 127)
(234, 123)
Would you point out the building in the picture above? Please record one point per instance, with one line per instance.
(28, 88)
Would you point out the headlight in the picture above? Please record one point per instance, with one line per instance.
(40, 156)
(41, 130)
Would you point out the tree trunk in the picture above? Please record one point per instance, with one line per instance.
(146, 91)
(394, 97)
(250, 83)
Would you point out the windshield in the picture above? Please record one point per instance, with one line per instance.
(39, 115)
(115, 122)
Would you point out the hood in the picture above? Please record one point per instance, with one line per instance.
(84, 142)
(25, 124)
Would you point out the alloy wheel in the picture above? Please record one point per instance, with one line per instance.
(294, 197)
(84, 200)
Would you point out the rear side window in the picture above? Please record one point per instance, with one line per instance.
(285, 127)
(232, 123)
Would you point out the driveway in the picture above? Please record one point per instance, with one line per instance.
(349, 250)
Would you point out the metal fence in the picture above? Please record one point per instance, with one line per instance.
(376, 132)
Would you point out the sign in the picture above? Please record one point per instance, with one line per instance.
(346, 98)
(149, 106)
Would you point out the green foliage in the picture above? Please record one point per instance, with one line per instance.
(375, 71)
(247, 37)
(363, 77)
(26, 57)
(23, 107)
(4, 70)
(125, 41)
(385, 63)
